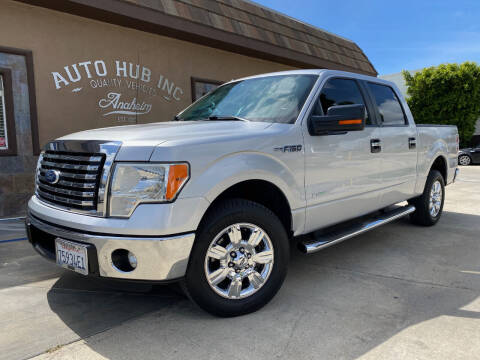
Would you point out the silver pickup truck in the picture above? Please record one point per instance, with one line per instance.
(216, 197)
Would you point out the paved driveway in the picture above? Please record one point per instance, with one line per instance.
(398, 292)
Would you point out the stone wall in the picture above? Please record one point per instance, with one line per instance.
(16, 172)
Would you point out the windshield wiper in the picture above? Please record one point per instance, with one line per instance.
(227, 117)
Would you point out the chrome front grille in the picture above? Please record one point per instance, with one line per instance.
(70, 179)
(83, 168)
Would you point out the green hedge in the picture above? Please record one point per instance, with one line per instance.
(446, 94)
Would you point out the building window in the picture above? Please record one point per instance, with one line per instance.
(3, 121)
(201, 87)
(8, 144)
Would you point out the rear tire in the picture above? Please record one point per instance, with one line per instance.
(429, 206)
(239, 259)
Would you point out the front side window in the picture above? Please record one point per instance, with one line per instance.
(391, 112)
(338, 92)
(278, 98)
(3, 118)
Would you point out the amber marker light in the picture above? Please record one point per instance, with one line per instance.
(177, 177)
(350, 122)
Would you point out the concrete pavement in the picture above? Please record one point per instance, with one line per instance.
(398, 292)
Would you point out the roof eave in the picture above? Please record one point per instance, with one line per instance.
(149, 20)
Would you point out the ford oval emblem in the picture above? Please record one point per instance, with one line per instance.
(52, 176)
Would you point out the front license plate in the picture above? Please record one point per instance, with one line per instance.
(72, 256)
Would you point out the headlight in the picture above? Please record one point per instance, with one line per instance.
(133, 184)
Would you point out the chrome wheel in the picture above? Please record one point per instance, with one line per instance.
(464, 160)
(436, 195)
(239, 261)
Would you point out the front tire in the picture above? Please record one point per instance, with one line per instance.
(464, 160)
(239, 259)
(429, 206)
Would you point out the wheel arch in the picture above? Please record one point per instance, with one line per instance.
(440, 164)
(261, 191)
(437, 162)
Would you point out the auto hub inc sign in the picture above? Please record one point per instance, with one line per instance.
(128, 90)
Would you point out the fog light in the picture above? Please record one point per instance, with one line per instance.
(123, 260)
(132, 260)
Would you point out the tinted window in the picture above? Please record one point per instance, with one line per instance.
(271, 99)
(389, 107)
(341, 92)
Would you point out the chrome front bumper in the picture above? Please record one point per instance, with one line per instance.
(159, 258)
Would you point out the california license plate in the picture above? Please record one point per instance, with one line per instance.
(72, 256)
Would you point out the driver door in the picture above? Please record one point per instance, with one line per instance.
(343, 173)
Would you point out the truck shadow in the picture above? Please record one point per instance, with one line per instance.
(89, 305)
(343, 302)
(20, 265)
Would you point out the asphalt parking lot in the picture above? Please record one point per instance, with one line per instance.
(398, 292)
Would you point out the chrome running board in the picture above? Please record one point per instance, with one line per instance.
(334, 237)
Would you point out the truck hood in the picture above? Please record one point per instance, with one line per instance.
(139, 141)
(155, 133)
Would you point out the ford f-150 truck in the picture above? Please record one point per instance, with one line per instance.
(216, 197)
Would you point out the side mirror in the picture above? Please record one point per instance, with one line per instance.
(341, 119)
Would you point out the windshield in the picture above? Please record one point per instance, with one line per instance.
(270, 99)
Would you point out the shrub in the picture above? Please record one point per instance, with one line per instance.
(447, 94)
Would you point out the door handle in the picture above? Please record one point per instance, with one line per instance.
(375, 145)
(412, 143)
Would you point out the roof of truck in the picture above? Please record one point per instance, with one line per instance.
(328, 72)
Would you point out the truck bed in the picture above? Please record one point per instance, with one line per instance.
(434, 139)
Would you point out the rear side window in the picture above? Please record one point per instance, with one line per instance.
(391, 112)
(341, 92)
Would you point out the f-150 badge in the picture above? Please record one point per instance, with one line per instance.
(289, 148)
